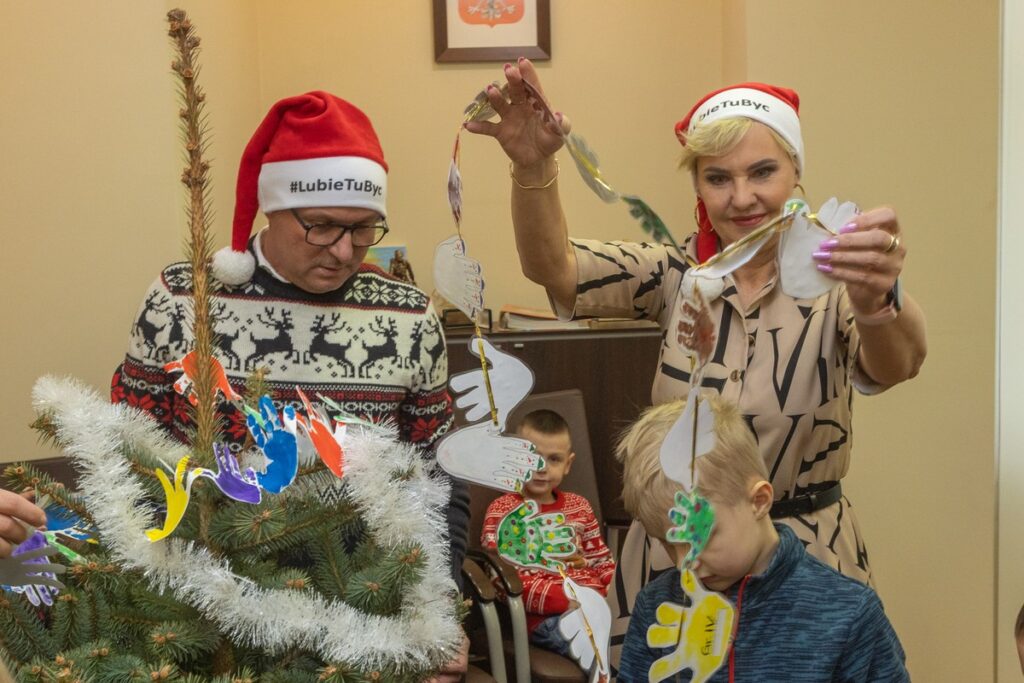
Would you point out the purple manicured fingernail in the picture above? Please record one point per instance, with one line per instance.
(822, 255)
(849, 227)
(824, 267)
(829, 244)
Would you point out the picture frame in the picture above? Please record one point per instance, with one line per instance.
(393, 259)
(491, 30)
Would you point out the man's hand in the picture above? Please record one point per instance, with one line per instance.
(455, 669)
(15, 512)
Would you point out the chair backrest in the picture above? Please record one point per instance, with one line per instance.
(582, 478)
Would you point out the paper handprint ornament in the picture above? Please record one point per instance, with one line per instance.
(693, 519)
(230, 479)
(511, 382)
(588, 628)
(480, 455)
(458, 277)
(700, 633)
(798, 275)
(27, 571)
(177, 497)
(532, 540)
(276, 438)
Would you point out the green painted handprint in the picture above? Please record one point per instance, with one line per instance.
(694, 518)
(531, 540)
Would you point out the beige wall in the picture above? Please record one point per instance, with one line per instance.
(875, 79)
(94, 209)
(92, 204)
(1010, 362)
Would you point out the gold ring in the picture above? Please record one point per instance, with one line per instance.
(894, 243)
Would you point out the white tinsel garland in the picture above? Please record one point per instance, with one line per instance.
(96, 434)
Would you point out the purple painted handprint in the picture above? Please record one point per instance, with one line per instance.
(28, 571)
(229, 478)
(277, 441)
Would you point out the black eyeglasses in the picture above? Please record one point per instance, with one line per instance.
(328, 234)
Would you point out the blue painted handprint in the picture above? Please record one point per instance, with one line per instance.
(276, 438)
(229, 478)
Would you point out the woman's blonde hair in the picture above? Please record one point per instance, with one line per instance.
(723, 475)
(720, 137)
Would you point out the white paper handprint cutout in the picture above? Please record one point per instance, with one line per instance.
(458, 277)
(588, 629)
(480, 455)
(798, 275)
(511, 381)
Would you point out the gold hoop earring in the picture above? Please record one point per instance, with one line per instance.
(696, 219)
(803, 192)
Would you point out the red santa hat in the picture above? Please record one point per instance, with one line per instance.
(311, 150)
(774, 106)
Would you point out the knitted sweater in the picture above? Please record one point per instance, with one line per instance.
(374, 346)
(542, 591)
(800, 622)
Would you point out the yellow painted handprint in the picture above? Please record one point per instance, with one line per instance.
(177, 498)
(700, 634)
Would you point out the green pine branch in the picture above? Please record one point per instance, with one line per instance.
(22, 634)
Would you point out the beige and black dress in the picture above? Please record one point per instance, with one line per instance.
(790, 364)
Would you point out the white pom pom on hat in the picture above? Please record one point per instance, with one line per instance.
(233, 267)
(311, 150)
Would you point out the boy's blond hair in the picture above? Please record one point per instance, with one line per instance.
(719, 137)
(724, 475)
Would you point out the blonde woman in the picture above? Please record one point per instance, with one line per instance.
(791, 365)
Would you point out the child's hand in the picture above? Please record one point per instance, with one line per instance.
(576, 561)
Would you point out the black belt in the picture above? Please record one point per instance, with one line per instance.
(807, 503)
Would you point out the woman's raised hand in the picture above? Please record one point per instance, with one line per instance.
(868, 256)
(528, 130)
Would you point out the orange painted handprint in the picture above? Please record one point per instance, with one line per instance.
(188, 366)
(325, 439)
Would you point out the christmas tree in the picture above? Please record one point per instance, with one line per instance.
(188, 563)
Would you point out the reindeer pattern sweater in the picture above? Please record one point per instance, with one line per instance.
(542, 590)
(374, 346)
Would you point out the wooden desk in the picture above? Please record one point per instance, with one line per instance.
(613, 368)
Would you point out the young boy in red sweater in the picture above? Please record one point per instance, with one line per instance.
(591, 566)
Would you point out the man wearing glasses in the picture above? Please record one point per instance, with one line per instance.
(298, 299)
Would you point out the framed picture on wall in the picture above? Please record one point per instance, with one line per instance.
(491, 30)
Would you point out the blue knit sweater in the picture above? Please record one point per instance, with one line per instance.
(800, 622)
